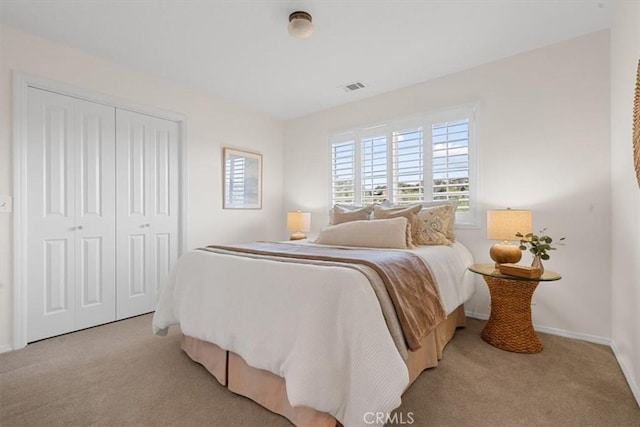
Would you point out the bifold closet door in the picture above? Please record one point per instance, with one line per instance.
(70, 201)
(147, 208)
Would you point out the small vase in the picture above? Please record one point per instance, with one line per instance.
(537, 263)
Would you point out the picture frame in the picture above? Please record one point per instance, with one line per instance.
(242, 179)
(636, 126)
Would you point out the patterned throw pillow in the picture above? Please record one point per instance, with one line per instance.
(436, 225)
(348, 213)
(409, 212)
(453, 206)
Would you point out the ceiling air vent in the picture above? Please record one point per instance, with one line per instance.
(353, 86)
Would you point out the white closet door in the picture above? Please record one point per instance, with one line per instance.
(95, 206)
(147, 230)
(70, 214)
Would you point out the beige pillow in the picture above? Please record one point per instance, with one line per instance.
(386, 233)
(436, 225)
(409, 212)
(344, 213)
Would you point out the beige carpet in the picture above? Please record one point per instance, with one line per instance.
(121, 375)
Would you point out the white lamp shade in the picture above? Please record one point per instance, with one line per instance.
(503, 224)
(299, 221)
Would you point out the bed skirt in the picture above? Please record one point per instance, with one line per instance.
(269, 390)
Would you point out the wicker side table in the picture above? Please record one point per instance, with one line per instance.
(510, 326)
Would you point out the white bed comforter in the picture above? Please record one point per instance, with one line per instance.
(319, 327)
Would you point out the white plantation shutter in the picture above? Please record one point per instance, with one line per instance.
(410, 161)
(343, 169)
(450, 171)
(408, 165)
(373, 154)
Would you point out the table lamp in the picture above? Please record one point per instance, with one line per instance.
(298, 222)
(503, 224)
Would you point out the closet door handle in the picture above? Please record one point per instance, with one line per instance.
(77, 227)
(145, 225)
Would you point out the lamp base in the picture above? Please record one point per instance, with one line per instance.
(503, 253)
(297, 236)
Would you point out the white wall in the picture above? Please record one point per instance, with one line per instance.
(625, 194)
(211, 124)
(544, 146)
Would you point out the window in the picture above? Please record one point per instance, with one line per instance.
(373, 176)
(408, 165)
(450, 173)
(343, 160)
(431, 157)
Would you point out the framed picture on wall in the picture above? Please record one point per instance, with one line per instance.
(242, 179)
(636, 125)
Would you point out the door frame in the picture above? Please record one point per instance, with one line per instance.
(21, 83)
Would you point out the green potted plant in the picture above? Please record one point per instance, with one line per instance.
(539, 246)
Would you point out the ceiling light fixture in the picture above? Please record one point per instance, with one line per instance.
(300, 25)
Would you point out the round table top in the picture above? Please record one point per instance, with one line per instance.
(491, 271)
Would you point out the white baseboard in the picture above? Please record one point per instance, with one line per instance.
(475, 315)
(635, 390)
(575, 335)
(633, 385)
(481, 316)
(5, 348)
(553, 331)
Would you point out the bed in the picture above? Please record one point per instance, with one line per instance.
(311, 341)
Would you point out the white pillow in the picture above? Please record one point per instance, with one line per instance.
(377, 233)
